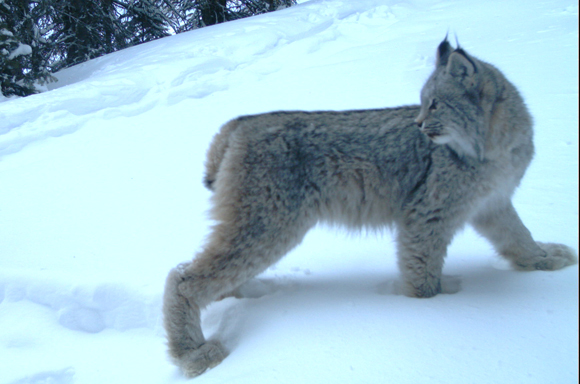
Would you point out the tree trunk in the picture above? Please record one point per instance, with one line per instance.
(213, 11)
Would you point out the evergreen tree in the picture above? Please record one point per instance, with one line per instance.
(213, 12)
(85, 29)
(12, 71)
(145, 21)
(192, 14)
(183, 14)
(22, 49)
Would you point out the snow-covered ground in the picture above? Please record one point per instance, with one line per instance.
(101, 194)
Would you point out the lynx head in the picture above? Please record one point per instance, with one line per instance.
(454, 102)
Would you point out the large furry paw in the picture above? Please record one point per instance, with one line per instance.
(447, 285)
(558, 256)
(423, 290)
(196, 361)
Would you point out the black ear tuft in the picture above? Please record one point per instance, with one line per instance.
(457, 42)
(443, 52)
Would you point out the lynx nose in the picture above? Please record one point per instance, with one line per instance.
(420, 119)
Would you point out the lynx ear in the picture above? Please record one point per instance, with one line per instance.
(460, 65)
(443, 52)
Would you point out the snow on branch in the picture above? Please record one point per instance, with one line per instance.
(21, 50)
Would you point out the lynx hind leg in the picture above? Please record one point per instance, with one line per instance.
(236, 252)
(557, 256)
(187, 346)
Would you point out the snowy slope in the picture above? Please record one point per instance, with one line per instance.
(101, 195)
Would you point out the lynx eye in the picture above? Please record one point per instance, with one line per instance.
(433, 105)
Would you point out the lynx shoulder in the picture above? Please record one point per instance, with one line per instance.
(425, 169)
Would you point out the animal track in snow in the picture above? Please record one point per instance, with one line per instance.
(65, 376)
(87, 308)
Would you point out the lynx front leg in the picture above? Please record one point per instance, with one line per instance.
(500, 223)
(421, 253)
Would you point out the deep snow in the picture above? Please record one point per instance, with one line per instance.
(101, 195)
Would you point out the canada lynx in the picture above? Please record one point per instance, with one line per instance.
(425, 169)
